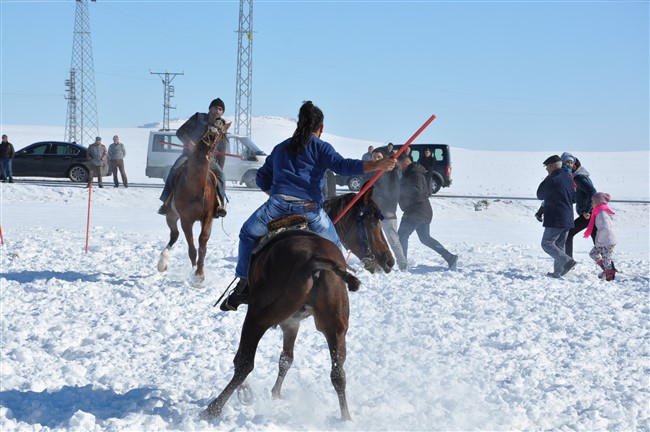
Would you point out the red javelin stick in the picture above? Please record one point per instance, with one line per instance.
(2, 239)
(216, 152)
(372, 181)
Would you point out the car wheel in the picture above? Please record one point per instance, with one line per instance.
(78, 174)
(354, 183)
(249, 179)
(436, 183)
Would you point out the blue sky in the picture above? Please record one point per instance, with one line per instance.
(502, 75)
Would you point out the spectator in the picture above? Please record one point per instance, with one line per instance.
(556, 190)
(6, 160)
(414, 202)
(116, 155)
(98, 157)
(603, 249)
(427, 161)
(407, 152)
(368, 156)
(386, 195)
(292, 176)
(584, 191)
(190, 133)
(390, 149)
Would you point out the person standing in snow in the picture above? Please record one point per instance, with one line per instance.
(368, 155)
(98, 157)
(386, 194)
(603, 250)
(584, 191)
(6, 160)
(116, 155)
(557, 192)
(292, 176)
(414, 201)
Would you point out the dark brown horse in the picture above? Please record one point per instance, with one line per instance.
(296, 275)
(193, 200)
(360, 230)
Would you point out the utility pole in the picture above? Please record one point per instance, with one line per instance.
(81, 123)
(167, 78)
(244, 86)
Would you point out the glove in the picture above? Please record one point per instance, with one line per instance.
(540, 214)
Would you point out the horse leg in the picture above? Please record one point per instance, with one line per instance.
(289, 332)
(172, 223)
(189, 237)
(206, 230)
(331, 318)
(244, 364)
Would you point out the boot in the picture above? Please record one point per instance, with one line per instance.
(600, 264)
(219, 211)
(610, 274)
(164, 209)
(11, 179)
(540, 214)
(238, 296)
(451, 261)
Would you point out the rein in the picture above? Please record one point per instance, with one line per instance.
(360, 217)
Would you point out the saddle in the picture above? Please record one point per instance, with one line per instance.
(280, 225)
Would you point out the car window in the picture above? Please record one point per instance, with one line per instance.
(64, 150)
(438, 154)
(167, 144)
(38, 150)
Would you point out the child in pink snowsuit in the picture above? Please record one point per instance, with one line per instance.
(603, 249)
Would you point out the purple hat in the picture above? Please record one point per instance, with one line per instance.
(601, 198)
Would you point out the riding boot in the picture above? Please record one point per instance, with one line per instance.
(166, 206)
(219, 206)
(238, 296)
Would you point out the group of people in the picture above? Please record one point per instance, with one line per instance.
(567, 183)
(292, 176)
(99, 157)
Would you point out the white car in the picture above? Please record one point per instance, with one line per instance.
(243, 157)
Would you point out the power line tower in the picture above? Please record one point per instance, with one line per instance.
(244, 86)
(81, 122)
(167, 78)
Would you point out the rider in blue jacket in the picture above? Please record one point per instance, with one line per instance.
(293, 178)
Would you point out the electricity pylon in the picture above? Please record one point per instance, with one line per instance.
(81, 122)
(167, 78)
(244, 86)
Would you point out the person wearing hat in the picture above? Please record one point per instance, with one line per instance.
(606, 240)
(190, 133)
(557, 192)
(98, 157)
(116, 155)
(6, 160)
(584, 191)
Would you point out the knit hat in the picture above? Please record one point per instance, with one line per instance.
(98, 138)
(568, 156)
(217, 103)
(551, 160)
(601, 198)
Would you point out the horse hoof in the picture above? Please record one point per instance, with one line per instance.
(163, 261)
(207, 415)
(197, 281)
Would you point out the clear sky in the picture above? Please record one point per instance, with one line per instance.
(499, 75)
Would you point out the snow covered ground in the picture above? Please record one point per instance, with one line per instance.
(104, 342)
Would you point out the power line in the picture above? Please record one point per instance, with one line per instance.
(167, 78)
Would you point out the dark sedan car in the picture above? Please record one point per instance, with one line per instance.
(52, 159)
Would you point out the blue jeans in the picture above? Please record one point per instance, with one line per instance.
(406, 229)
(255, 227)
(6, 166)
(553, 243)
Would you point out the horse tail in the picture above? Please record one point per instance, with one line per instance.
(326, 264)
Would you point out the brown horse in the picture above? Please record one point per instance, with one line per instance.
(360, 231)
(193, 200)
(299, 274)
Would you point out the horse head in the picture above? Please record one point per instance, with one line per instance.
(215, 133)
(360, 231)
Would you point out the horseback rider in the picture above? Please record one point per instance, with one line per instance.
(292, 176)
(190, 133)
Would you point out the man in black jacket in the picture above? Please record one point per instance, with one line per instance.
(557, 192)
(6, 160)
(190, 133)
(414, 202)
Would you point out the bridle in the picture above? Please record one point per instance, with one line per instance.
(361, 215)
(221, 128)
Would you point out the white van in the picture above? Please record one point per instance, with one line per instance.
(243, 157)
